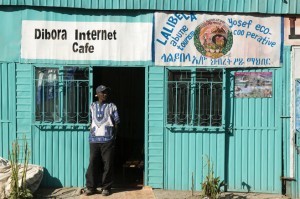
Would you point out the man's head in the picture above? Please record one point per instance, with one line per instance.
(102, 92)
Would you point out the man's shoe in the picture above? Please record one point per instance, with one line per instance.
(99, 190)
(105, 192)
(89, 192)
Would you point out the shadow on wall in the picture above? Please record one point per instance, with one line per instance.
(50, 181)
(248, 187)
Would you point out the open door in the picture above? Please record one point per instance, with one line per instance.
(128, 93)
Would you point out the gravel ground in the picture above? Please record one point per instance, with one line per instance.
(170, 194)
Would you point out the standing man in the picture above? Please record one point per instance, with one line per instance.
(103, 132)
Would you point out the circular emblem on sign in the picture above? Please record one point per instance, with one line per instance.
(213, 38)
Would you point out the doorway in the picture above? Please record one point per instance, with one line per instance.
(128, 93)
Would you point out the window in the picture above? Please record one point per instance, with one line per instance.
(195, 97)
(62, 94)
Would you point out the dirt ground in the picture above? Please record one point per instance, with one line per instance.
(146, 193)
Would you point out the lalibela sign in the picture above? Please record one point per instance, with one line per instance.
(190, 39)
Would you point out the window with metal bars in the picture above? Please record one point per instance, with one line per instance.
(62, 95)
(195, 97)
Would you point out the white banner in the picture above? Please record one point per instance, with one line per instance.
(189, 39)
(115, 41)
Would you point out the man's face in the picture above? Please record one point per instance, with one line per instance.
(103, 95)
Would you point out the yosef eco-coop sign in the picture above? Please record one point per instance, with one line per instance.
(191, 39)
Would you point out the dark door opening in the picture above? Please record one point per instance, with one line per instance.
(128, 93)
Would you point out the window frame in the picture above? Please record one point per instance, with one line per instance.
(192, 127)
(61, 80)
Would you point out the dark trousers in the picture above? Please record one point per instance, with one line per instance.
(100, 170)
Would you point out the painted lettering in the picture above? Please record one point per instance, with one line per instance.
(169, 26)
(239, 23)
(259, 61)
(86, 48)
(176, 57)
(185, 42)
(262, 29)
(238, 32)
(95, 35)
(54, 34)
(263, 40)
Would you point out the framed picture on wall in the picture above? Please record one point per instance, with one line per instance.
(253, 84)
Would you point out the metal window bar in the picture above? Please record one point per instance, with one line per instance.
(76, 97)
(208, 104)
(205, 110)
(66, 101)
(43, 98)
(179, 103)
(77, 104)
(218, 108)
(74, 106)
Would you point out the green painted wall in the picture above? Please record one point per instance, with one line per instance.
(7, 107)
(248, 155)
(10, 38)
(155, 128)
(245, 6)
(61, 149)
(63, 152)
(254, 152)
(10, 34)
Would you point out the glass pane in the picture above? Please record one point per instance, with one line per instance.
(203, 75)
(208, 102)
(179, 90)
(195, 100)
(76, 94)
(47, 94)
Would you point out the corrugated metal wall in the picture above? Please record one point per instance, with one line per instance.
(254, 6)
(286, 84)
(295, 186)
(7, 108)
(51, 147)
(15, 106)
(186, 156)
(255, 142)
(292, 187)
(10, 36)
(24, 82)
(63, 152)
(250, 159)
(154, 155)
(248, 156)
